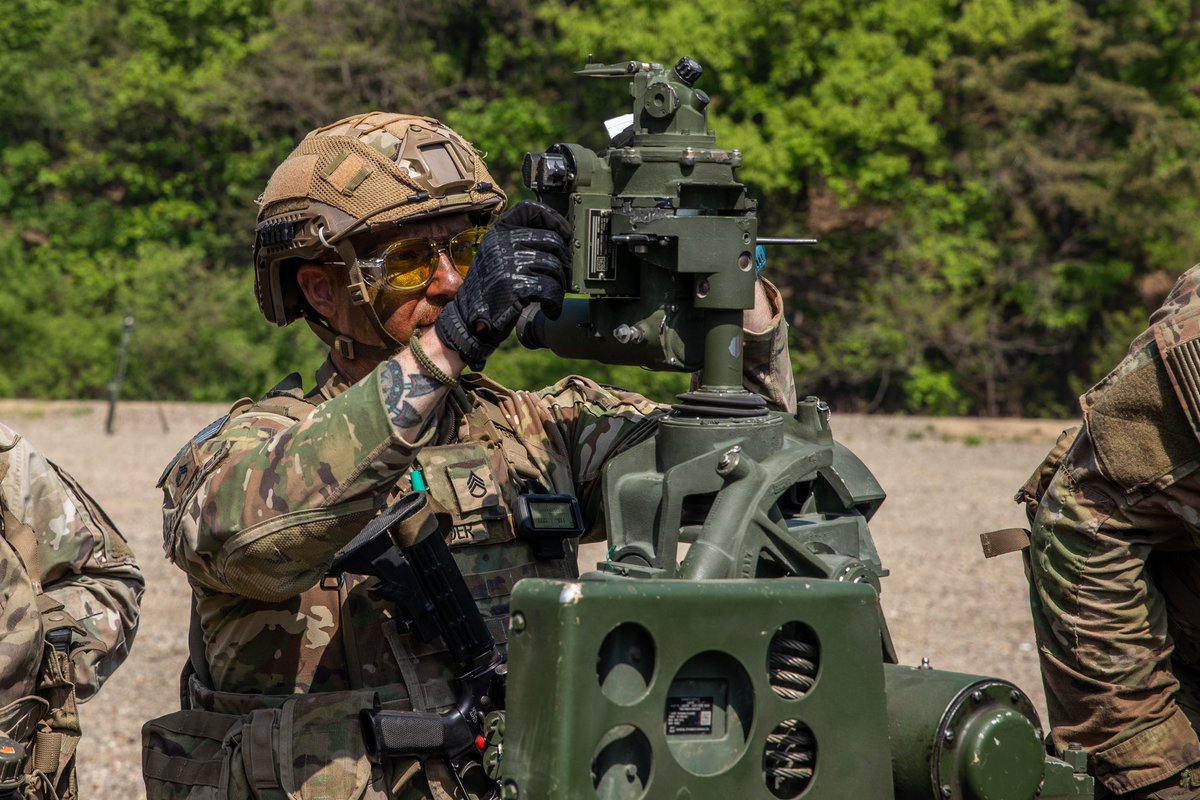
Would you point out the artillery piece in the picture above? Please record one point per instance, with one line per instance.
(758, 664)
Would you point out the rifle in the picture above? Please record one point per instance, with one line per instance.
(404, 548)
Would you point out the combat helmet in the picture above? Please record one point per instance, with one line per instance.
(359, 175)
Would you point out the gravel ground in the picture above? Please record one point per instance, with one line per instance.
(947, 481)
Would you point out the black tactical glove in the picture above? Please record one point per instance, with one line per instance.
(521, 260)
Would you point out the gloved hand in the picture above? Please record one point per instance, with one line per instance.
(521, 260)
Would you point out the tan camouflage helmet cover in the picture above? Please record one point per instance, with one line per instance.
(357, 175)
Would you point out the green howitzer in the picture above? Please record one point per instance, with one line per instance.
(759, 664)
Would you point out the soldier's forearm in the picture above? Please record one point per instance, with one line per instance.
(767, 309)
(106, 605)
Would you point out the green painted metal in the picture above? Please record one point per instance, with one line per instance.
(732, 643)
(665, 235)
(631, 658)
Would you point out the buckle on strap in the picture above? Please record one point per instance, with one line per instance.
(344, 345)
(258, 748)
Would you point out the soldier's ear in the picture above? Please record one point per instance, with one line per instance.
(319, 289)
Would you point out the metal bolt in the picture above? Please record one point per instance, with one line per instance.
(672, 308)
(631, 772)
(627, 334)
(946, 790)
(977, 696)
(925, 663)
(517, 622)
(729, 460)
(1015, 696)
(702, 289)
(744, 262)
(948, 735)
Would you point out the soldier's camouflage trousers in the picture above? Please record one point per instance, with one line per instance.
(263, 747)
(1115, 594)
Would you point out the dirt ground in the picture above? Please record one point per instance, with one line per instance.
(947, 481)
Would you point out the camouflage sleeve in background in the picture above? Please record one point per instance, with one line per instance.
(269, 504)
(596, 423)
(85, 562)
(766, 364)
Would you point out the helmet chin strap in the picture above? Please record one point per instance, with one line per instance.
(362, 297)
(348, 347)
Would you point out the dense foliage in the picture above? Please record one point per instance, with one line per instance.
(1003, 189)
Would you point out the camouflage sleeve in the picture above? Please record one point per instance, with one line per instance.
(84, 562)
(597, 422)
(766, 363)
(260, 508)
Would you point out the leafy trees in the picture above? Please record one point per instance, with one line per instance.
(1002, 188)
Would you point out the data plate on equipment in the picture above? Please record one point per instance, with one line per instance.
(689, 716)
(599, 263)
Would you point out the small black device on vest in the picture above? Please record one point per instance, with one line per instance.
(546, 521)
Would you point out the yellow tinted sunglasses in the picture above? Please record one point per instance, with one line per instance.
(410, 264)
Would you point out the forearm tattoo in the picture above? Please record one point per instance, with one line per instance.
(400, 388)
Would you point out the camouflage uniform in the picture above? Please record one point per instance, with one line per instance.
(60, 555)
(256, 506)
(1114, 561)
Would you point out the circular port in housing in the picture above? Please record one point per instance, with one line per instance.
(793, 660)
(708, 714)
(789, 759)
(625, 663)
(621, 765)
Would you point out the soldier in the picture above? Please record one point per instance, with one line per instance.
(1114, 567)
(69, 595)
(373, 232)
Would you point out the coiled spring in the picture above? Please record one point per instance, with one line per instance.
(789, 759)
(790, 753)
(792, 666)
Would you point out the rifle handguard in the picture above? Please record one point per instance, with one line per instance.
(463, 627)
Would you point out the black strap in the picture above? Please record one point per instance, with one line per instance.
(196, 654)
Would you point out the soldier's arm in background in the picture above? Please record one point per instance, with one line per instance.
(85, 562)
(260, 508)
(766, 362)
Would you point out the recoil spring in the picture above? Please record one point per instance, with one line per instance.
(790, 754)
(793, 667)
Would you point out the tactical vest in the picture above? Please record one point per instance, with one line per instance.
(310, 745)
(43, 716)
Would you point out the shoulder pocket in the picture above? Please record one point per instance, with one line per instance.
(184, 477)
(1142, 435)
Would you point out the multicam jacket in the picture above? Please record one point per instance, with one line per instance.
(257, 504)
(1114, 556)
(63, 564)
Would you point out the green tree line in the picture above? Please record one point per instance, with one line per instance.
(1002, 189)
